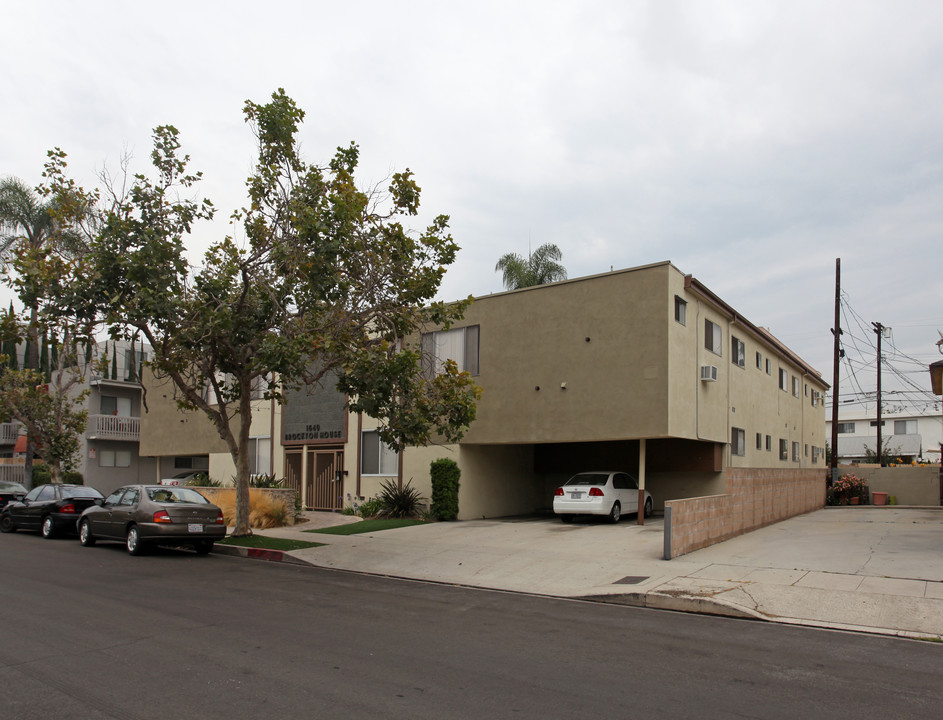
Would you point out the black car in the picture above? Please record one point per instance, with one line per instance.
(51, 509)
(10, 491)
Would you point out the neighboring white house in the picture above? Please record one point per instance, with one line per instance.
(911, 435)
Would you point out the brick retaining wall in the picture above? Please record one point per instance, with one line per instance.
(755, 497)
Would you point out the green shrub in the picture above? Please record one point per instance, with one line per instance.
(445, 475)
(370, 508)
(265, 481)
(73, 477)
(399, 502)
(41, 474)
(203, 480)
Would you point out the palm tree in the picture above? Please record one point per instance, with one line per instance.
(539, 267)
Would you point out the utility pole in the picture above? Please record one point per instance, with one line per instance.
(836, 355)
(879, 329)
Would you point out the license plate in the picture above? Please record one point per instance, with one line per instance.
(576, 495)
(195, 528)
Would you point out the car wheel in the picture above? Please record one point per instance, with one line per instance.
(133, 541)
(648, 508)
(48, 527)
(85, 534)
(616, 513)
(202, 547)
(6, 524)
(566, 518)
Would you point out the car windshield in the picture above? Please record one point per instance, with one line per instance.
(80, 492)
(588, 479)
(175, 495)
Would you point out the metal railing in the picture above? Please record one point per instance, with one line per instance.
(114, 427)
(9, 432)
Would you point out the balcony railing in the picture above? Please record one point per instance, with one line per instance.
(114, 427)
(9, 432)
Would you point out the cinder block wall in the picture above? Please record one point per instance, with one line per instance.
(755, 497)
(910, 485)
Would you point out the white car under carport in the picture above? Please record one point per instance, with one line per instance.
(608, 493)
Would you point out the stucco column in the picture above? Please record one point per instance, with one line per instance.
(641, 482)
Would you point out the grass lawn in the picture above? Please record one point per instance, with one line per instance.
(268, 543)
(368, 526)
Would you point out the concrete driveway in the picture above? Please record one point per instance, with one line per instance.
(864, 568)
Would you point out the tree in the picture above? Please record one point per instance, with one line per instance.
(37, 227)
(327, 283)
(51, 409)
(538, 268)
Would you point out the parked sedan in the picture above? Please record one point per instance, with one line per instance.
(10, 491)
(142, 515)
(599, 493)
(50, 508)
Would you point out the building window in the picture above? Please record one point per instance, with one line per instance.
(458, 344)
(260, 455)
(783, 449)
(769, 369)
(759, 441)
(737, 442)
(114, 458)
(738, 354)
(806, 386)
(120, 406)
(846, 428)
(759, 361)
(376, 458)
(905, 427)
(805, 450)
(769, 443)
(681, 310)
(783, 380)
(795, 452)
(795, 386)
(713, 339)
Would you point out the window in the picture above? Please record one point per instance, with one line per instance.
(783, 379)
(759, 441)
(713, 338)
(259, 455)
(114, 458)
(768, 367)
(759, 361)
(769, 443)
(738, 354)
(847, 428)
(905, 427)
(458, 344)
(795, 386)
(375, 457)
(737, 442)
(623, 481)
(130, 497)
(795, 452)
(783, 449)
(806, 450)
(120, 406)
(806, 389)
(681, 310)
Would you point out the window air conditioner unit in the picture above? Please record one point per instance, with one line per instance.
(709, 373)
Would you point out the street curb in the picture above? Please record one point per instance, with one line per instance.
(259, 554)
(678, 603)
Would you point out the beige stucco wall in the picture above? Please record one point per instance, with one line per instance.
(910, 485)
(168, 430)
(604, 336)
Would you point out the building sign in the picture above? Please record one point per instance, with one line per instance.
(315, 414)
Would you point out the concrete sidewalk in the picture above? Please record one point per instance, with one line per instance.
(873, 569)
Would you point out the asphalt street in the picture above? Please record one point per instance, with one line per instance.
(95, 633)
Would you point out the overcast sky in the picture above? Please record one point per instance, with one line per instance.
(750, 143)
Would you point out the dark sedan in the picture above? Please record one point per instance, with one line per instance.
(51, 509)
(10, 491)
(142, 515)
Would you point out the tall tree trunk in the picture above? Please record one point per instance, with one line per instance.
(242, 464)
(32, 348)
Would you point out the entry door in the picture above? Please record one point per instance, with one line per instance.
(325, 488)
